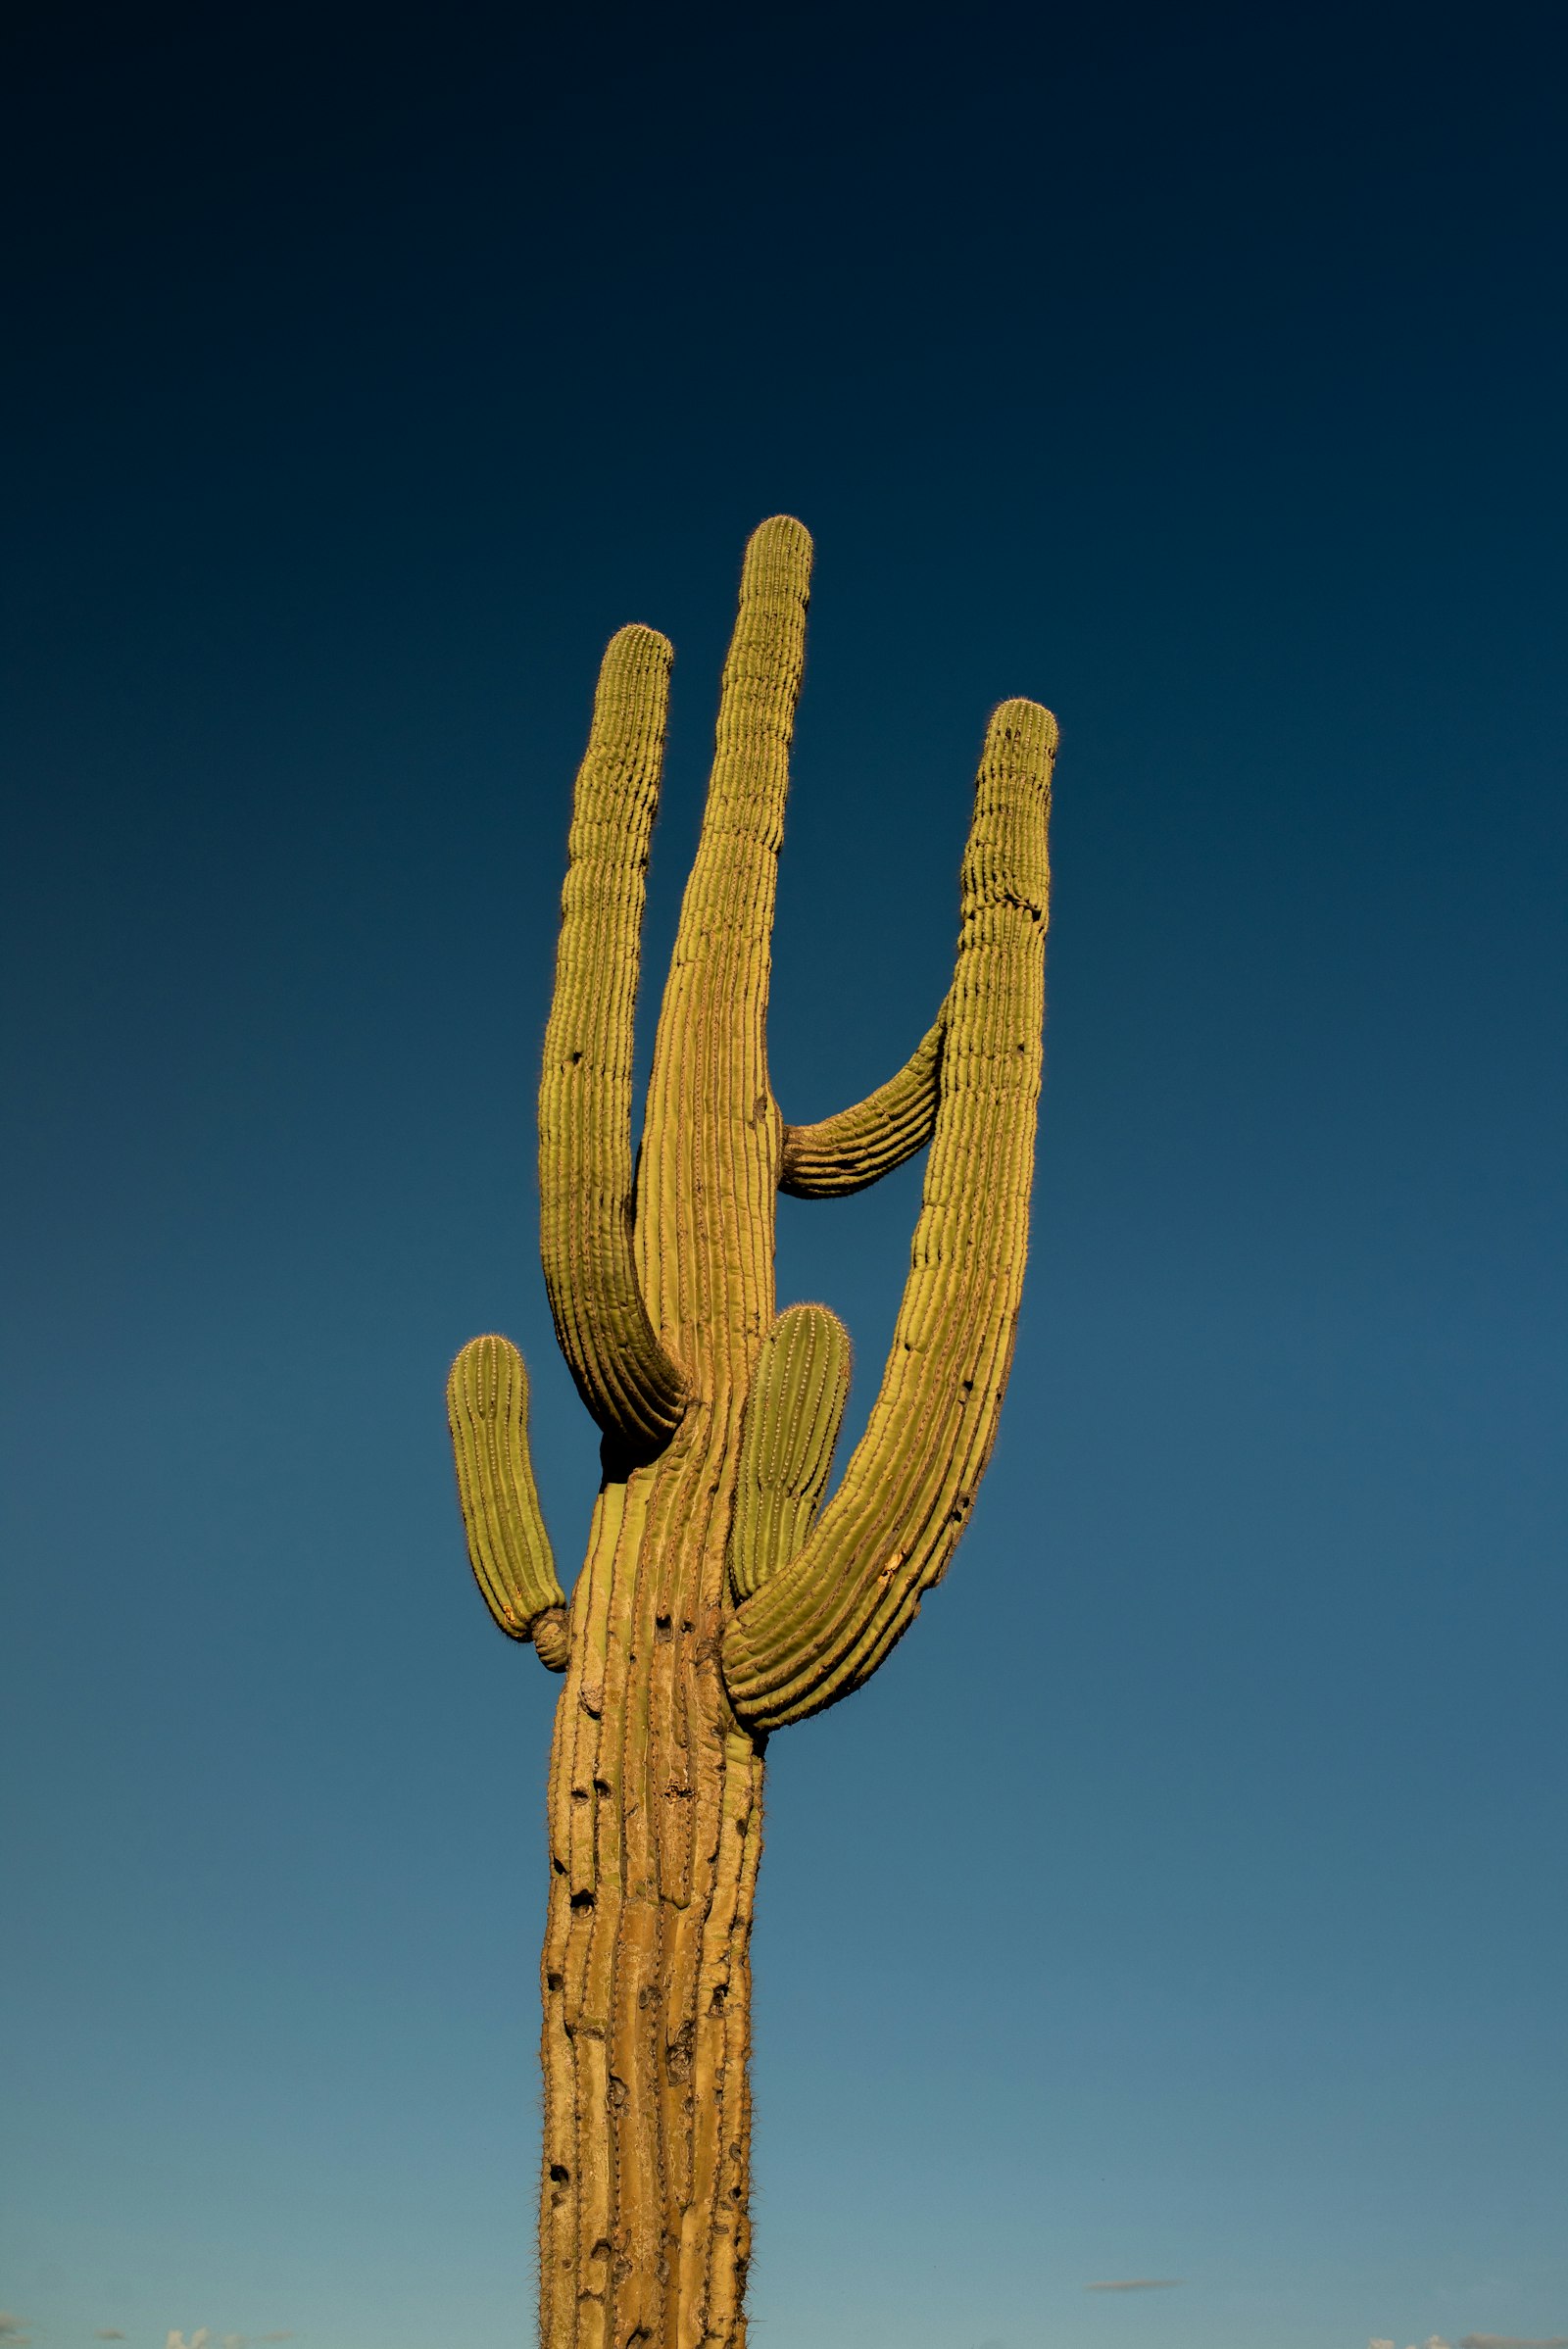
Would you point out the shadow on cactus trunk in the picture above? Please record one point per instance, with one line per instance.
(719, 1601)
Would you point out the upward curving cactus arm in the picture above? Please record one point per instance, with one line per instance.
(818, 1627)
(628, 1381)
(856, 1148)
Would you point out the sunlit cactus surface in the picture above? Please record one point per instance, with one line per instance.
(719, 1600)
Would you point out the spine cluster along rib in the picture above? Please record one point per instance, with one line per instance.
(720, 1599)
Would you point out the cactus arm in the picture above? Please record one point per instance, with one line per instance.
(788, 1432)
(624, 1375)
(708, 1177)
(822, 1623)
(509, 1548)
(860, 1145)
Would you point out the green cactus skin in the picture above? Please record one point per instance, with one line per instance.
(715, 1602)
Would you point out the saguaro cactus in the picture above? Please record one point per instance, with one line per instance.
(717, 1603)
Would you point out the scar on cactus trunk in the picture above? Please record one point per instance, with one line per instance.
(717, 1603)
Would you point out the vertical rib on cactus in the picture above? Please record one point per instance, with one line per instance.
(709, 1610)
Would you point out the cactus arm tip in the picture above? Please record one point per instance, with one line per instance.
(778, 550)
(636, 637)
(1031, 722)
(509, 1548)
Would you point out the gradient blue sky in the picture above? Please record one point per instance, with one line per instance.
(1186, 1898)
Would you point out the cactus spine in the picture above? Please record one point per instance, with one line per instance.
(717, 1603)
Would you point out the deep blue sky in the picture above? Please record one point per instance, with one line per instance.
(1186, 1898)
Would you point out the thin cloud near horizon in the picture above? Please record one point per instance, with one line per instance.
(202, 2338)
(1511, 2340)
(1136, 2283)
(1484, 2341)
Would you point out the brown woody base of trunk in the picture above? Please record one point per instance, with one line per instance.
(655, 1834)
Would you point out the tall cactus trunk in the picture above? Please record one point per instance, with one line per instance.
(716, 1604)
(655, 1834)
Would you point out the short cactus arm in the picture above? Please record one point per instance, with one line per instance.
(858, 1147)
(624, 1375)
(788, 1430)
(508, 1549)
(821, 1625)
